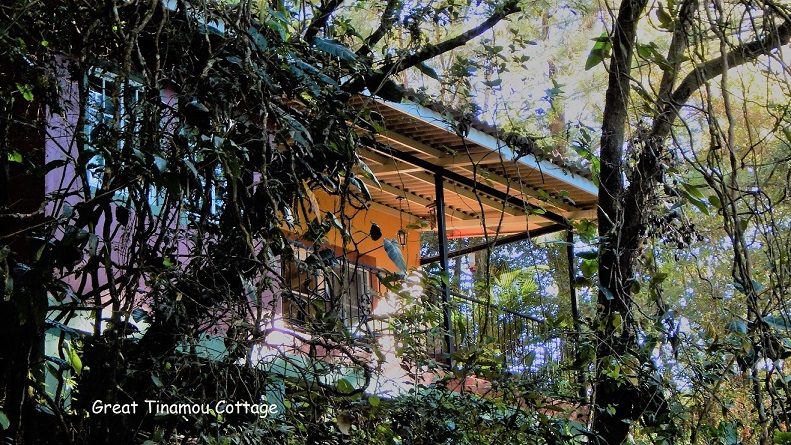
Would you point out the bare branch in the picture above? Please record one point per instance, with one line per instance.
(678, 45)
(649, 165)
(710, 69)
(432, 51)
(320, 21)
(389, 17)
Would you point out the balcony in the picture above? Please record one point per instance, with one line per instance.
(414, 324)
(521, 343)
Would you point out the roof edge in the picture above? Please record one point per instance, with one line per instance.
(432, 117)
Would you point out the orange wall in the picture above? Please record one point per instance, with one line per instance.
(372, 252)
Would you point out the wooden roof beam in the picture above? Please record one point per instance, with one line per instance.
(469, 182)
(467, 193)
(494, 222)
(484, 199)
(443, 160)
(411, 197)
(390, 170)
(484, 140)
(386, 163)
(395, 213)
(466, 160)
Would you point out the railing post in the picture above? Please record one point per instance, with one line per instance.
(442, 236)
(575, 314)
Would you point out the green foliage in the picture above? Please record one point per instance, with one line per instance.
(433, 415)
(782, 438)
(393, 250)
(600, 51)
(202, 189)
(196, 143)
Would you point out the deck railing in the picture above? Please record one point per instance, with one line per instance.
(521, 343)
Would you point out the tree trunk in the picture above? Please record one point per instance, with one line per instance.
(622, 225)
(617, 403)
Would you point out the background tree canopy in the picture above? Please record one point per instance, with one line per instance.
(684, 327)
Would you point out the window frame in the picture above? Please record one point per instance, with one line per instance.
(353, 308)
(116, 91)
(217, 192)
(95, 165)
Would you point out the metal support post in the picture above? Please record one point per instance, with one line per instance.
(442, 236)
(575, 314)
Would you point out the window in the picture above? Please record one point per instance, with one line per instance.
(304, 297)
(112, 115)
(112, 107)
(344, 292)
(354, 291)
(210, 182)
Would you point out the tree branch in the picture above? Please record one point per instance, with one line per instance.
(389, 17)
(678, 45)
(706, 71)
(431, 51)
(648, 170)
(616, 261)
(648, 167)
(320, 21)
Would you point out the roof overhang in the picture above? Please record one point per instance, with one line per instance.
(490, 186)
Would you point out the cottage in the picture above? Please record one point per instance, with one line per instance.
(269, 219)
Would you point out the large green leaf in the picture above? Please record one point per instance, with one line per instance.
(14, 156)
(393, 250)
(298, 131)
(139, 314)
(4, 422)
(345, 387)
(74, 359)
(258, 39)
(736, 326)
(427, 70)
(335, 48)
(387, 90)
(26, 90)
(368, 173)
(778, 323)
(599, 51)
(306, 67)
(665, 19)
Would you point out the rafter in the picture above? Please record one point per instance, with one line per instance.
(467, 160)
(428, 178)
(413, 198)
(390, 170)
(441, 159)
(493, 222)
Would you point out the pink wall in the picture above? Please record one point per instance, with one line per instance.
(61, 146)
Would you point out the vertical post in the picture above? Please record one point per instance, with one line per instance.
(442, 236)
(575, 313)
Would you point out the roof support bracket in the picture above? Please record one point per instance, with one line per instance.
(500, 241)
